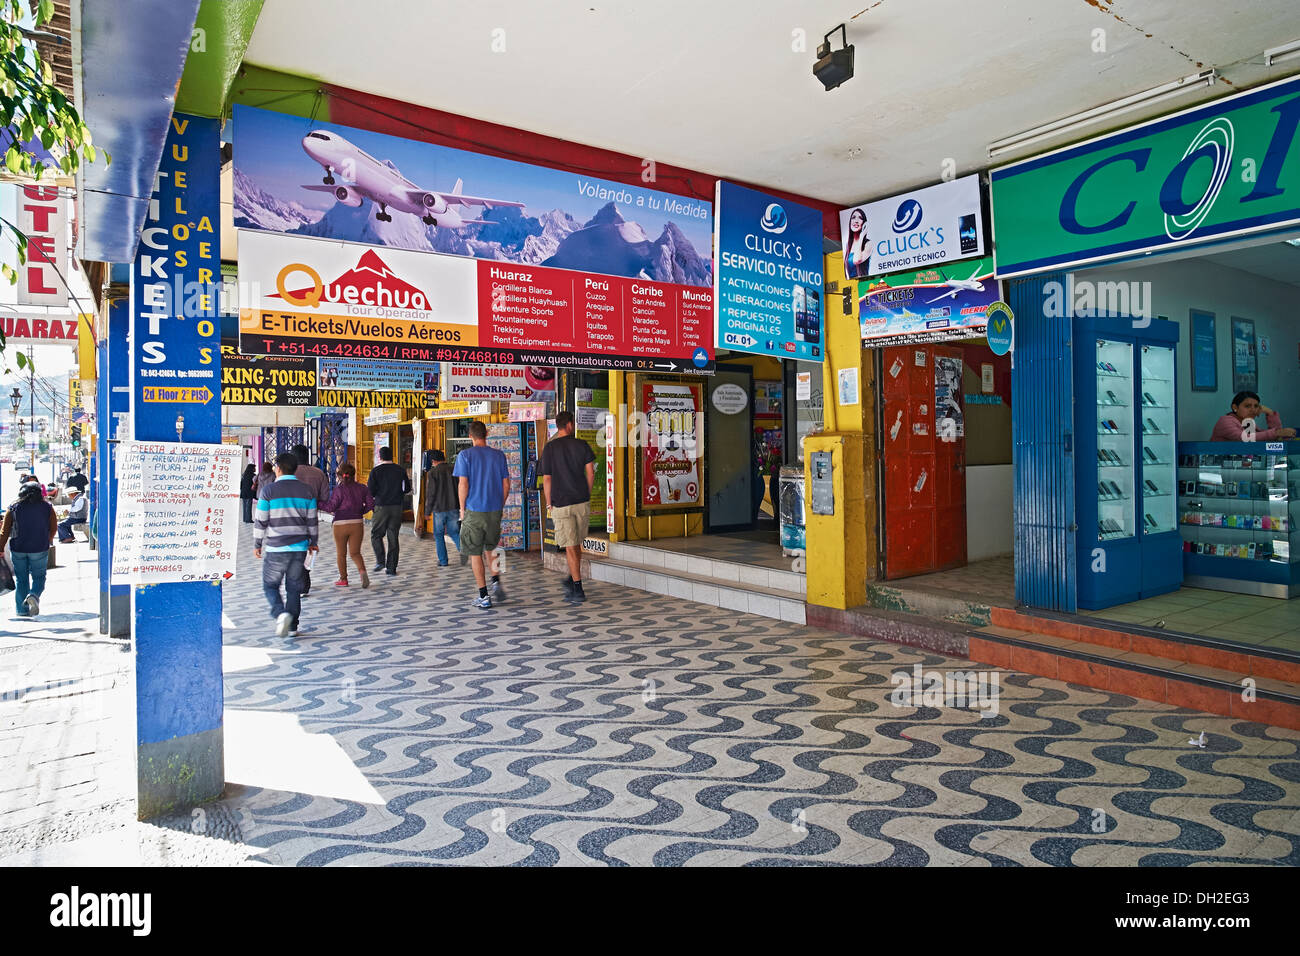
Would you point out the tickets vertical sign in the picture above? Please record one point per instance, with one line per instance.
(176, 330)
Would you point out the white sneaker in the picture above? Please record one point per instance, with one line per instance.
(283, 623)
(33, 605)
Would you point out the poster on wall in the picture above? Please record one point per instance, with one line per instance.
(1205, 352)
(381, 442)
(266, 379)
(379, 376)
(590, 408)
(177, 515)
(669, 475)
(769, 288)
(931, 305)
(314, 297)
(920, 229)
(1245, 371)
(949, 422)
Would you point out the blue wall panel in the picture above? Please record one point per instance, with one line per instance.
(1042, 410)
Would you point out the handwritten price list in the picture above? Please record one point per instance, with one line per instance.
(177, 512)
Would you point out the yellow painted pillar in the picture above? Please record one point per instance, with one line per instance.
(841, 548)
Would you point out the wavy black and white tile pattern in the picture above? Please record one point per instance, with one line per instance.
(526, 736)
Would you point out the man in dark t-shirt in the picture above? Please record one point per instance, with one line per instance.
(568, 470)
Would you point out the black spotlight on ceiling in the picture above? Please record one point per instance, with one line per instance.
(834, 68)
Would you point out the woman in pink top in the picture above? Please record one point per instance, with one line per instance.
(1245, 407)
(348, 504)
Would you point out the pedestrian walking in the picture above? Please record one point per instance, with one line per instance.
(265, 475)
(568, 470)
(442, 502)
(77, 514)
(29, 527)
(77, 480)
(388, 484)
(285, 522)
(318, 482)
(348, 504)
(248, 492)
(484, 486)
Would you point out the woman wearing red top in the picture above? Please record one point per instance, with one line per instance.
(348, 504)
(1245, 407)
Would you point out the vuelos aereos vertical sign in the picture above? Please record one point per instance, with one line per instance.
(1208, 173)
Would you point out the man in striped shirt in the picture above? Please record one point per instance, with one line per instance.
(284, 526)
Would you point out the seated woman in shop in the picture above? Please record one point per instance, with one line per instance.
(1245, 407)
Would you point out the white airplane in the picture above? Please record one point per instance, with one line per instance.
(960, 285)
(383, 184)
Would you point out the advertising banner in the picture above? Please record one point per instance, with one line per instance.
(312, 178)
(923, 228)
(499, 383)
(31, 328)
(42, 216)
(380, 376)
(365, 398)
(175, 326)
(329, 299)
(177, 512)
(769, 289)
(1201, 175)
(282, 381)
(931, 305)
(669, 476)
(591, 406)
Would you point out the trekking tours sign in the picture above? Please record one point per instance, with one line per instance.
(266, 379)
(1208, 173)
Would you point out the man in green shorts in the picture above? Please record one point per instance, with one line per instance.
(568, 470)
(484, 486)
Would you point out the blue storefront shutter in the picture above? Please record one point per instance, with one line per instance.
(1042, 412)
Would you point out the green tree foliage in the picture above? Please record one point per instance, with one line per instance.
(33, 109)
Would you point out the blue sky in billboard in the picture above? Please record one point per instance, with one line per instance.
(552, 217)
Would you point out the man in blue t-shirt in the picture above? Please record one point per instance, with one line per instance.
(484, 486)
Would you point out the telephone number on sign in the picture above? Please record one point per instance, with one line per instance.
(489, 356)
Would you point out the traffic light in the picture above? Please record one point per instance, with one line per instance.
(75, 434)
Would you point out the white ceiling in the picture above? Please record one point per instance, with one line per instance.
(1272, 260)
(715, 86)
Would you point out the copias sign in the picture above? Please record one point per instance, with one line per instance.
(1212, 172)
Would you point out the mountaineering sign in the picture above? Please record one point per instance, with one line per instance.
(1227, 168)
(769, 288)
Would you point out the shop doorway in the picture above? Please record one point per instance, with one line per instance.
(729, 463)
(923, 459)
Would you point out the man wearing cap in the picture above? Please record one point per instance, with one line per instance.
(76, 515)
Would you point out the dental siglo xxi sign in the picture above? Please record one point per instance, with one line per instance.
(1205, 174)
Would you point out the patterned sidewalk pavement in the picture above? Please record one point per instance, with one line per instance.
(405, 727)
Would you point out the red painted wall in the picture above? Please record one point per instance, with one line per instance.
(383, 115)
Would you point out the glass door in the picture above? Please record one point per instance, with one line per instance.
(1157, 428)
(1115, 424)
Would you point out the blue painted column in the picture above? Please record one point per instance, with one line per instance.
(113, 399)
(176, 344)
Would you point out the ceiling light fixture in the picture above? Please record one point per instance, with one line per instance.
(1284, 52)
(1292, 242)
(1079, 121)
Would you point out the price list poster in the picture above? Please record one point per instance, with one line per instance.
(177, 512)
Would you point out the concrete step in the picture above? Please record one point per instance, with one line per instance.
(744, 575)
(929, 602)
(776, 603)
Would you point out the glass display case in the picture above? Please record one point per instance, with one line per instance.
(1157, 428)
(1127, 540)
(1115, 469)
(1237, 515)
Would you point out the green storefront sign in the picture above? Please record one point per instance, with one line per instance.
(1207, 174)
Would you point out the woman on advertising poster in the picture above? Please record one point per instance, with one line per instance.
(857, 252)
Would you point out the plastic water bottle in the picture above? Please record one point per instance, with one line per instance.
(499, 559)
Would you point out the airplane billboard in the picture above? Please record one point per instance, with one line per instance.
(312, 178)
(930, 305)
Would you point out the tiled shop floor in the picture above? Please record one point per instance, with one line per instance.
(1246, 618)
(404, 726)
